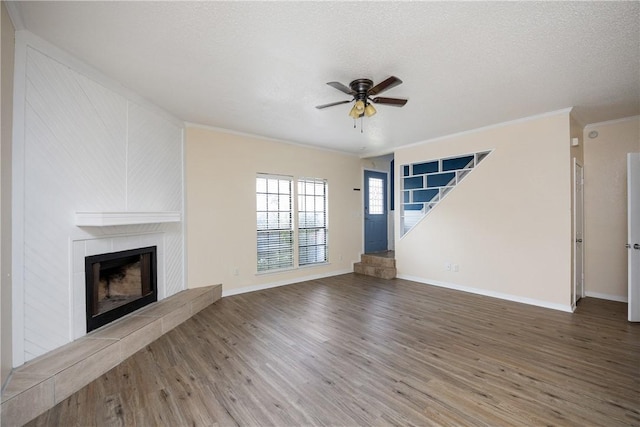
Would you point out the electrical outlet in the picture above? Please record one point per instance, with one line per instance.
(456, 268)
(236, 271)
(447, 266)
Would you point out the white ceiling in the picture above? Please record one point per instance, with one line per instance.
(261, 67)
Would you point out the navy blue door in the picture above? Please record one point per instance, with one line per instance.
(375, 211)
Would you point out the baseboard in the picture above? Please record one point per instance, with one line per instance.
(253, 288)
(605, 296)
(530, 301)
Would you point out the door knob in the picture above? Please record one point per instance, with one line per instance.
(636, 246)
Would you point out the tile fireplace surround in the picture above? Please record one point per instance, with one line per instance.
(49, 379)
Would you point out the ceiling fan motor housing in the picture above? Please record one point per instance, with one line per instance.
(361, 88)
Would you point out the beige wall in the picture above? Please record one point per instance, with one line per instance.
(605, 170)
(508, 225)
(7, 54)
(220, 211)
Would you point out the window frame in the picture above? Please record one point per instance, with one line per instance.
(274, 231)
(303, 201)
(295, 227)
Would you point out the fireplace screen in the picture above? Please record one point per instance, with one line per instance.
(119, 283)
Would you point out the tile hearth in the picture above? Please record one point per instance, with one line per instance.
(47, 380)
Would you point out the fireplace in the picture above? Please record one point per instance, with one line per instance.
(119, 283)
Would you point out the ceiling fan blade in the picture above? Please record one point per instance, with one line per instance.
(396, 102)
(384, 85)
(342, 88)
(320, 107)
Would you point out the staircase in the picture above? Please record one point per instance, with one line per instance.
(381, 265)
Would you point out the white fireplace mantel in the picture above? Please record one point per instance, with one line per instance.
(106, 219)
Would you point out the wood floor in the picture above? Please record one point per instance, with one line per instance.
(355, 350)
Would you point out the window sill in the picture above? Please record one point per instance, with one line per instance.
(285, 270)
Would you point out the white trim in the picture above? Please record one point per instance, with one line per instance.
(185, 258)
(289, 269)
(606, 296)
(161, 287)
(374, 170)
(273, 176)
(126, 159)
(363, 201)
(573, 232)
(17, 198)
(376, 154)
(577, 164)
(285, 282)
(266, 138)
(105, 219)
(71, 290)
(488, 293)
(611, 122)
(481, 129)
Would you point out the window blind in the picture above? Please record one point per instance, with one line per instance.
(274, 222)
(312, 221)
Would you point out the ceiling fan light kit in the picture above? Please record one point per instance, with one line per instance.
(362, 91)
(357, 110)
(369, 110)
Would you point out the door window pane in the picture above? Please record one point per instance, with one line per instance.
(376, 196)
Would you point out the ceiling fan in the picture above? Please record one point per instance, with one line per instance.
(362, 91)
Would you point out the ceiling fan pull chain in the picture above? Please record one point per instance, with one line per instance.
(361, 124)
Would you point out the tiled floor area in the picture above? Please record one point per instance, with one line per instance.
(45, 381)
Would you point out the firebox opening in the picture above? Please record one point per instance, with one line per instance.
(119, 283)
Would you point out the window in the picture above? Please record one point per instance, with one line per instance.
(312, 221)
(376, 196)
(275, 222)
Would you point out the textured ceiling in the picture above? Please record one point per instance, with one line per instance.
(261, 67)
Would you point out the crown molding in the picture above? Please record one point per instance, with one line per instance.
(611, 122)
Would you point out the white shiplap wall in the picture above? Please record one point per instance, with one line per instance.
(86, 147)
